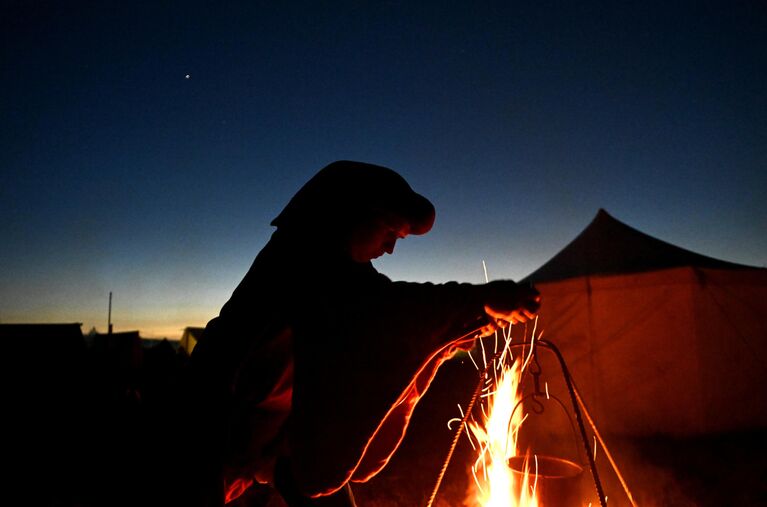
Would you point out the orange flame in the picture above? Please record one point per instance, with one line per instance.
(494, 482)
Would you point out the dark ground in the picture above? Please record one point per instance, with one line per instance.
(719, 470)
(75, 420)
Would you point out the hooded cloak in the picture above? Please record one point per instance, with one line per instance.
(321, 358)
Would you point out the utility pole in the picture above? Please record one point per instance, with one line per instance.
(109, 321)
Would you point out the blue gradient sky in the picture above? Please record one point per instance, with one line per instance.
(518, 120)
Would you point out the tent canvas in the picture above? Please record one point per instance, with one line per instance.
(659, 340)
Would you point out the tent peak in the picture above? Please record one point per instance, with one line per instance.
(603, 214)
(608, 246)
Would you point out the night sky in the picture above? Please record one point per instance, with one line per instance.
(146, 146)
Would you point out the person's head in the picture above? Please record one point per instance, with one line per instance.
(361, 209)
(372, 239)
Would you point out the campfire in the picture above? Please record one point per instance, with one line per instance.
(504, 472)
(495, 439)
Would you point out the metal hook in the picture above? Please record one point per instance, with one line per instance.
(537, 406)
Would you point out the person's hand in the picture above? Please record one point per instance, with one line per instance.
(511, 304)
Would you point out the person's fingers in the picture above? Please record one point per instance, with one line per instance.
(526, 310)
(494, 313)
(487, 330)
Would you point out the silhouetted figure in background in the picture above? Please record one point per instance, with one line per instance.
(308, 377)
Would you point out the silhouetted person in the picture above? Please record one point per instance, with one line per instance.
(308, 377)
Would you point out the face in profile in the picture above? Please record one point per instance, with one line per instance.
(373, 239)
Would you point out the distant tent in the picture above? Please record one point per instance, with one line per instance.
(153, 343)
(43, 406)
(659, 339)
(45, 347)
(190, 338)
(121, 350)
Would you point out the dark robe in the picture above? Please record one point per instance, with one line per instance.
(321, 359)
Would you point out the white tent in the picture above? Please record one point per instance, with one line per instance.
(659, 340)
